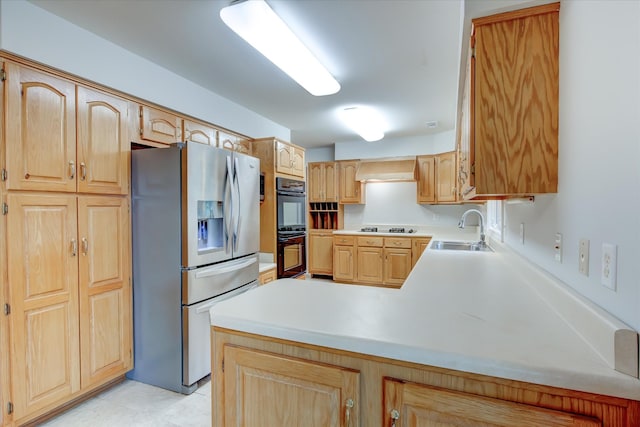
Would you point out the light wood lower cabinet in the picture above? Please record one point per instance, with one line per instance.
(262, 381)
(267, 276)
(70, 297)
(263, 389)
(320, 252)
(397, 265)
(344, 252)
(410, 404)
(419, 245)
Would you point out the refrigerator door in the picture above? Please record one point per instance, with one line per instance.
(207, 184)
(246, 216)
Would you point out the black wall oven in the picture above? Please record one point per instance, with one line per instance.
(291, 256)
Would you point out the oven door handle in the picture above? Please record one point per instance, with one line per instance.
(223, 297)
(214, 271)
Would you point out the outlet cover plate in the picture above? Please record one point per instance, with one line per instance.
(608, 265)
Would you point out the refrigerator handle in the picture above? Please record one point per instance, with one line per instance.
(236, 183)
(228, 195)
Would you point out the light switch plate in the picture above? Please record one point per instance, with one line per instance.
(583, 257)
(557, 247)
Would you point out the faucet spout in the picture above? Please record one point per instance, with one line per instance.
(464, 217)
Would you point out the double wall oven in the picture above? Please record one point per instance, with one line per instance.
(291, 257)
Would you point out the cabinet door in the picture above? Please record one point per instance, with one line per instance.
(413, 405)
(426, 179)
(284, 158)
(351, 191)
(42, 255)
(343, 263)
(298, 165)
(516, 122)
(198, 132)
(419, 245)
(243, 146)
(397, 265)
(105, 291)
(263, 389)
(159, 126)
(330, 182)
(315, 182)
(446, 177)
(370, 265)
(103, 142)
(227, 141)
(40, 131)
(321, 253)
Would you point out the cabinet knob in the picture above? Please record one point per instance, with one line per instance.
(83, 171)
(394, 417)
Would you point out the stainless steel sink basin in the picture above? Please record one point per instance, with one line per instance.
(460, 246)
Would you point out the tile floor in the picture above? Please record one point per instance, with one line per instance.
(132, 403)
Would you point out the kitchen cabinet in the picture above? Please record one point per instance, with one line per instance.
(234, 143)
(289, 159)
(322, 182)
(274, 390)
(419, 244)
(509, 131)
(199, 132)
(369, 267)
(268, 276)
(320, 252)
(437, 178)
(397, 261)
(351, 191)
(71, 298)
(158, 127)
(423, 395)
(41, 134)
(410, 404)
(344, 250)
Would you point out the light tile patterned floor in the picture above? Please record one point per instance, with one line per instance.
(135, 404)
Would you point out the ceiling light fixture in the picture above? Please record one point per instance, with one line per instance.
(258, 25)
(365, 122)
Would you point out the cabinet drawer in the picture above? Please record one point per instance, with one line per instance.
(397, 242)
(343, 240)
(370, 241)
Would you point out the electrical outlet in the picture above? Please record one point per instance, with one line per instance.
(583, 257)
(522, 233)
(609, 261)
(558, 248)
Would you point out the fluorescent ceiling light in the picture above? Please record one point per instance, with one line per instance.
(365, 122)
(258, 25)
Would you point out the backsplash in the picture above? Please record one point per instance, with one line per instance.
(394, 203)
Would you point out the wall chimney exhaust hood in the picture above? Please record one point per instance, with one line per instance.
(395, 169)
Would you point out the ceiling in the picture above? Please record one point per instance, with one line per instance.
(399, 56)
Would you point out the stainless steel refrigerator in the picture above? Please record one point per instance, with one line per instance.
(196, 234)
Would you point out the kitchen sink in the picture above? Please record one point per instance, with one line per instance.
(460, 246)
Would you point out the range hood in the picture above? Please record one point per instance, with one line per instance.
(394, 169)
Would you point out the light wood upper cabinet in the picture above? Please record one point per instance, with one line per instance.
(351, 191)
(158, 127)
(234, 143)
(272, 390)
(289, 159)
(103, 142)
(40, 131)
(513, 133)
(437, 178)
(410, 405)
(426, 179)
(322, 182)
(105, 294)
(199, 132)
(320, 252)
(43, 272)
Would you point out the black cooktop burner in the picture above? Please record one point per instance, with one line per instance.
(396, 230)
(369, 229)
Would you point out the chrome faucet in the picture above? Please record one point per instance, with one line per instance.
(464, 217)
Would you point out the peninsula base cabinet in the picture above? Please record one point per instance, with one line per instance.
(262, 381)
(70, 297)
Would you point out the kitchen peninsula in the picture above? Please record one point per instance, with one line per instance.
(477, 331)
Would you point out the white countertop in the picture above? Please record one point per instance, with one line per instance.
(478, 312)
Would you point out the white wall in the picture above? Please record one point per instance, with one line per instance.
(320, 154)
(599, 156)
(394, 203)
(34, 33)
(386, 147)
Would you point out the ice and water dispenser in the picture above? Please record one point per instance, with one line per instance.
(210, 225)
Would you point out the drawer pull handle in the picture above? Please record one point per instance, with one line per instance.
(72, 169)
(349, 404)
